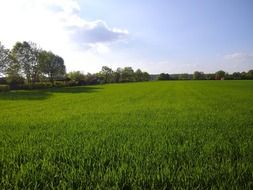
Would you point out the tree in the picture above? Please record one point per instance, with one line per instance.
(106, 75)
(198, 75)
(236, 76)
(243, 75)
(13, 73)
(91, 79)
(117, 75)
(146, 76)
(184, 76)
(164, 76)
(26, 54)
(219, 75)
(250, 74)
(4, 59)
(138, 75)
(52, 65)
(78, 77)
(128, 74)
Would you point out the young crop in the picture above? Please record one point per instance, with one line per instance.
(153, 135)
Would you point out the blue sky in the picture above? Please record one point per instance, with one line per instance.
(154, 35)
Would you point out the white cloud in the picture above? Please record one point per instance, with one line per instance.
(240, 57)
(96, 32)
(56, 25)
(237, 61)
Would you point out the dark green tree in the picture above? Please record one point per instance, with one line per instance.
(52, 66)
(237, 76)
(138, 74)
(26, 54)
(117, 75)
(164, 76)
(219, 75)
(146, 76)
(197, 75)
(128, 74)
(250, 74)
(5, 59)
(78, 77)
(106, 75)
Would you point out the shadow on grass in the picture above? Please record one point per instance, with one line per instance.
(74, 90)
(45, 93)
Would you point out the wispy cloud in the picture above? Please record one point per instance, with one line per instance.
(84, 33)
(57, 25)
(240, 57)
(97, 32)
(52, 21)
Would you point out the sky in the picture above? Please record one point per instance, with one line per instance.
(172, 36)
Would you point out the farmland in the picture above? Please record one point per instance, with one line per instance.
(151, 135)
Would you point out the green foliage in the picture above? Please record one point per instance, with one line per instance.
(155, 135)
(52, 65)
(198, 75)
(38, 85)
(4, 88)
(77, 76)
(59, 84)
(164, 76)
(4, 59)
(105, 75)
(26, 55)
(27, 60)
(219, 75)
(184, 76)
(141, 76)
(250, 75)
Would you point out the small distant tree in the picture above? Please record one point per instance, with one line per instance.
(197, 75)
(92, 79)
(117, 75)
(219, 75)
(164, 76)
(236, 76)
(138, 75)
(250, 74)
(184, 76)
(78, 77)
(210, 76)
(128, 74)
(243, 75)
(146, 76)
(106, 75)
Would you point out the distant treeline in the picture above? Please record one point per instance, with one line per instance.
(26, 66)
(107, 75)
(197, 75)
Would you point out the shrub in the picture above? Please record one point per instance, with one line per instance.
(4, 88)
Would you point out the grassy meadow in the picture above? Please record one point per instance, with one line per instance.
(151, 135)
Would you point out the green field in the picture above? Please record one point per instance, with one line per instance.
(153, 135)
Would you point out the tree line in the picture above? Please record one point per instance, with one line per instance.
(27, 65)
(198, 75)
(108, 75)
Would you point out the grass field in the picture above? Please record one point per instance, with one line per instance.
(154, 135)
